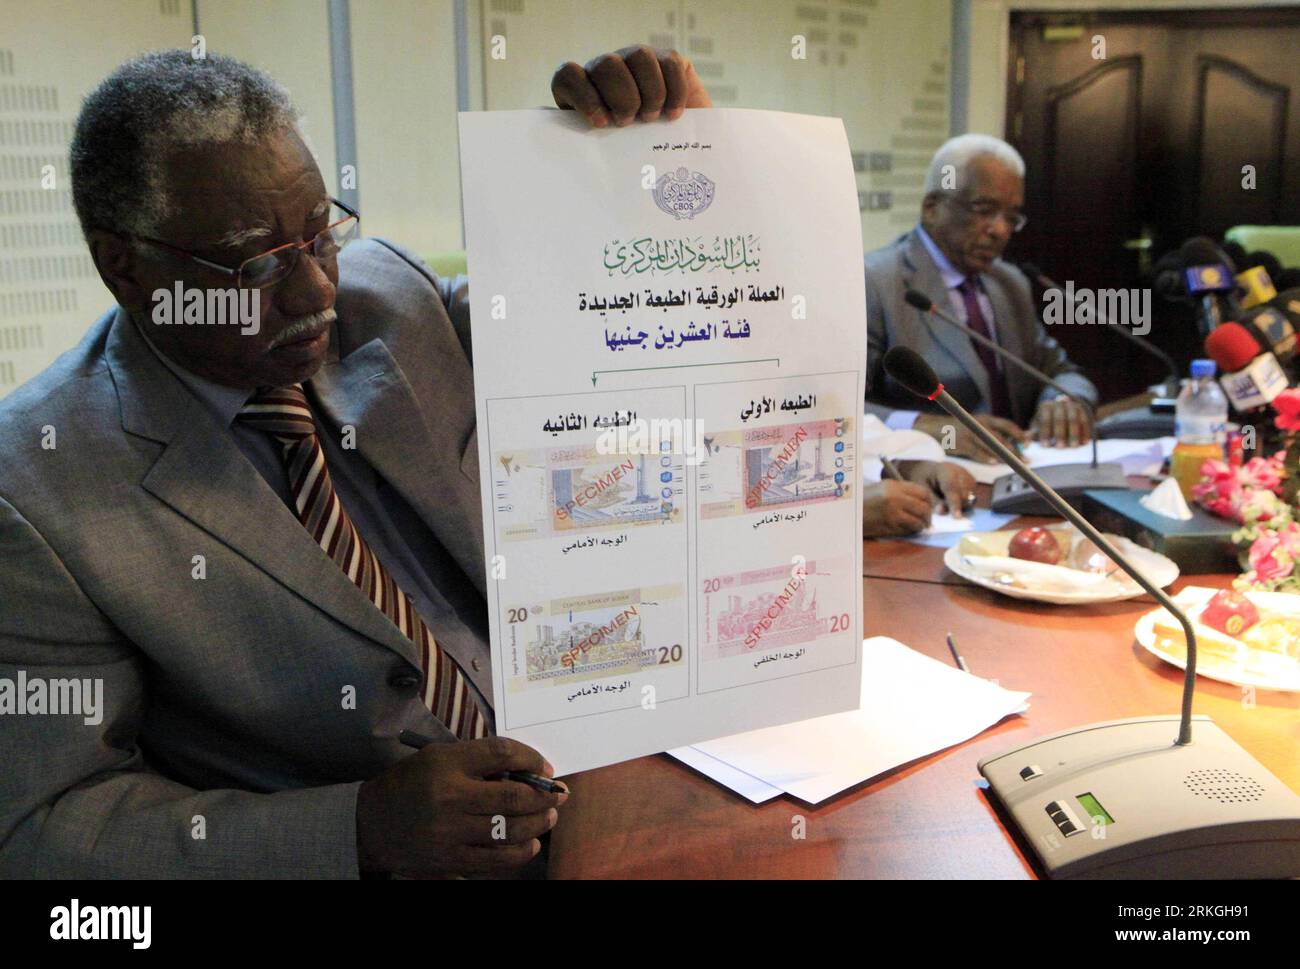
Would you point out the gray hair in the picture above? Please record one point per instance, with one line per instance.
(959, 152)
(151, 105)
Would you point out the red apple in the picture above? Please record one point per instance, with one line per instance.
(1035, 545)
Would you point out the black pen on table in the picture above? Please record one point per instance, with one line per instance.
(547, 785)
(952, 648)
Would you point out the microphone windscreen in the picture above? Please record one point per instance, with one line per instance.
(1277, 324)
(1287, 299)
(910, 369)
(1261, 258)
(1231, 347)
(1236, 252)
(916, 298)
(1286, 279)
(1201, 251)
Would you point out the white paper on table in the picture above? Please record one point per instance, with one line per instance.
(750, 788)
(646, 276)
(946, 531)
(1136, 456)
(912, 706)
(944, 524)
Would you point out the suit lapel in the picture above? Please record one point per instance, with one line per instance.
(204, 477)
(927, 279)
(367, 390)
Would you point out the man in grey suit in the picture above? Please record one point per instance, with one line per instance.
(237, 561)
(974, 196)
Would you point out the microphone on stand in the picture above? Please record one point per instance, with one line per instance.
(1255, 287)
(1208, 279)
(1009, 492)
(1274, 325)
(1165, 809)
(1252, 379)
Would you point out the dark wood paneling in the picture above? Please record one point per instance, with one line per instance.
(1090, 151)
(1240, 120)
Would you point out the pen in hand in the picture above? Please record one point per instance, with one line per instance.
(547, 785)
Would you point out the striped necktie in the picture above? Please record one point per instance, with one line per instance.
(283, 413)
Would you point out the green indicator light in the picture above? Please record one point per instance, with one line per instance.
(1095, 811)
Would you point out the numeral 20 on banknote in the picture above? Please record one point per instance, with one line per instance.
(589, 637)
(551, 491)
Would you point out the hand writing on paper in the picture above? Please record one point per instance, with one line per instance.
(895, 508)
(951, 484)
(633, 82)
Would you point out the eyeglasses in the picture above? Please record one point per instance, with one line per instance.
(268, 268)
(988, 211)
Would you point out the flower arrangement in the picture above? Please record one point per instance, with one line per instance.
(1261, 496)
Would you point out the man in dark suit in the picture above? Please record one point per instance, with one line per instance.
(259, 546)
(974, 196)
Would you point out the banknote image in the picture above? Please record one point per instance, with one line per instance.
(787, 465)
(555, 490)
(743, 613)
(581, 638)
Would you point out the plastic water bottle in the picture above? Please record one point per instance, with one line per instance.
(1200, 422)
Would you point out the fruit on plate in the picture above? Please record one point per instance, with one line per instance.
(1035, 544)
(1266, 643)
(1086, 556)
(1230, 612)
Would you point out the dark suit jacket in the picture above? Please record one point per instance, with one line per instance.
(905, 264)
(224, 698)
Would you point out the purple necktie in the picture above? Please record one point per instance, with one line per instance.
(969, 290)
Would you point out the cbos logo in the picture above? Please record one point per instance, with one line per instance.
(684, 194)
(73, 923)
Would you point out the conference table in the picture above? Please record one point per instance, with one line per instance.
(654, 817)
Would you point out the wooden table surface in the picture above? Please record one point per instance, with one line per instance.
(656, 818)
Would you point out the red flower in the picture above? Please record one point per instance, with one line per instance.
(1263, 473)
(1287, 405)
(1269, 558)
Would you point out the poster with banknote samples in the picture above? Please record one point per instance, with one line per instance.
(669, 342)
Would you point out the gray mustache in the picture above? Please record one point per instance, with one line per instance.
(304, 325)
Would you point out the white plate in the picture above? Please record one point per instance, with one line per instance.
(1159, 569)
(1192, 598)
